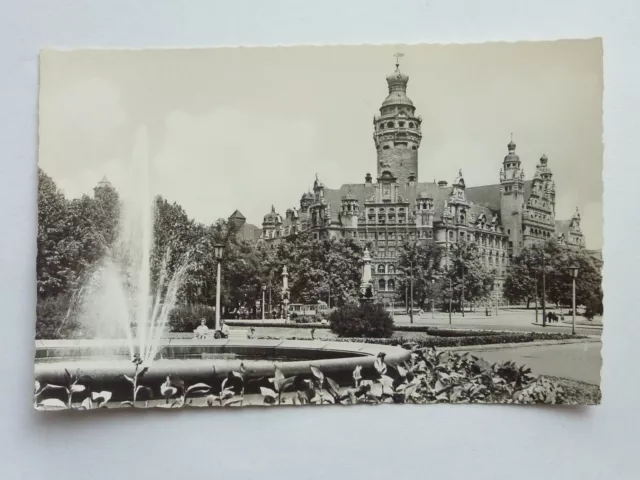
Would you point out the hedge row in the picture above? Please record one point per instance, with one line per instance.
(445, 332)
(499, 338)
(260, 323)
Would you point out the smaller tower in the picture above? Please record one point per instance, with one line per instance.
(271, 224)
(237, 219)
(458, 204)
(424, 210)
(305, 202)
(512, 198)
(349, 210)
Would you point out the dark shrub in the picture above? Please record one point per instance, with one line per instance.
(186, 318)
(306, 319)
(365, 320)
(293, 316)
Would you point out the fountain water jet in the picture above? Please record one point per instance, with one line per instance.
(123, 294)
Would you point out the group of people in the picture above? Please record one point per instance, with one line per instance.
(202, 332)
(553, 317)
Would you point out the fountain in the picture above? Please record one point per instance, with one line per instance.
(129, 312)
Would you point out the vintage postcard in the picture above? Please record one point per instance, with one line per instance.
(230, 227)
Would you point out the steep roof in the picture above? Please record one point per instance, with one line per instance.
(250, 232)
(363, 191)
(489, 195)
(237, 215)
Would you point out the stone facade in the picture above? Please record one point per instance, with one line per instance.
(501, 218)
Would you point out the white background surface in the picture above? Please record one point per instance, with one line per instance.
(357, 442)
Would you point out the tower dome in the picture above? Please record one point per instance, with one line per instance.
(272, 216)
(511, 155)
(397, 82)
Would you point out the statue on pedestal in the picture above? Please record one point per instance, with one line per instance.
(366, 286)
(285, 293)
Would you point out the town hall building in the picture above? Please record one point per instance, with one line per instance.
(396, 207)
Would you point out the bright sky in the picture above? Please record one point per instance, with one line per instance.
(249, 127)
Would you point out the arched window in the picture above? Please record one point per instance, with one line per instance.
(391, 285)
(412, 125)
(381, 268)
(451, 236)
(391, 269)
(390, 125)
(381, 285)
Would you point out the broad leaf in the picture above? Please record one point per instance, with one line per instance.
(77, 388)
(86, 403)
(334, 389)
(380, 366)
(267, 392)
(278, 380)
(317, 373)
(202, 387)
(53, 402)
(102, 397)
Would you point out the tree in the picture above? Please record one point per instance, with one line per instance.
(423, 260)
(319, 268)
(53, 273)
(525, 276)
(465, 263)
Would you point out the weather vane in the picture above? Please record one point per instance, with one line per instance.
(398, 57)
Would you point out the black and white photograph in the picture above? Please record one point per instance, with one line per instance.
(320, 225)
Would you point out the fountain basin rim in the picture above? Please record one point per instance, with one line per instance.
(356, 354)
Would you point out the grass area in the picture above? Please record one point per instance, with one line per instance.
(579, 393)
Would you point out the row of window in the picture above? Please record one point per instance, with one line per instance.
(386, 285)
(383, 210)
(401, 124)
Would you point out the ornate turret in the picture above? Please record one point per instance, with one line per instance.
(397, 133)
(349, 210)
(318, 189)
(306, 201)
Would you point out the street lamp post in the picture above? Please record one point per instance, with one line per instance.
(411, 307)
(450, 298)
(218, 249)
(433, 298)
(264, 289)
(462, 294)
(574, 274)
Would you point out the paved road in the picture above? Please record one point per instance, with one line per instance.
(513, 320)
(577, 361)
